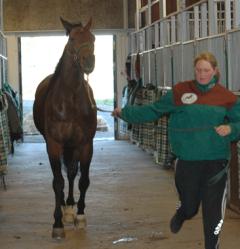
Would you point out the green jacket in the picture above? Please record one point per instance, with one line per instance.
(194, 112)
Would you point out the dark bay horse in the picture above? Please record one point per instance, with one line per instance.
(64, 112)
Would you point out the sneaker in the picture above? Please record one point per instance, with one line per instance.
(176, 223)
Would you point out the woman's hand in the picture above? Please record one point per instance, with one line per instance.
(223, 130)
(116, 112)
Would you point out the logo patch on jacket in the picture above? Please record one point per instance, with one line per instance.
(187, 93)
(189, 98)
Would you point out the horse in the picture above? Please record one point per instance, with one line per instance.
(64, 112)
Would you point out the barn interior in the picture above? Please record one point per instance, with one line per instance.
(132, 195)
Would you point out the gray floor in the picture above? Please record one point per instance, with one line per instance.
(128, 205)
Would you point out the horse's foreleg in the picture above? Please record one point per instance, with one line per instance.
(83, 185)
(58, 187)
(69, 213)
(71, 164)
(85, 160)
(80, 221)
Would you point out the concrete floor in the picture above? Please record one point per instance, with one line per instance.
(129, 204)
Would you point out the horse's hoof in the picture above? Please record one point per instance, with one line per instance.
(58, 233)
(80, 221)
(69, 215)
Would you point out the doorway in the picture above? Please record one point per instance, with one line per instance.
(39, 57)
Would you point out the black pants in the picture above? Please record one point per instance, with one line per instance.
(203, 182)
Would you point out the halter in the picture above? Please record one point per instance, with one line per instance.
(76, 56)
(76, 53)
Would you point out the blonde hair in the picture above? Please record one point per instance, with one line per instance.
(207, 56)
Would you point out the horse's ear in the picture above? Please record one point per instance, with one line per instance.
(67, 26)
(89, 24)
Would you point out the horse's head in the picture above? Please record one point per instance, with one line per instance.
(81, 44)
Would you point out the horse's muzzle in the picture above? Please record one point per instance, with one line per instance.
(88, 64)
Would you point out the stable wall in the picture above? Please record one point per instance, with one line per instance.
(35, 15)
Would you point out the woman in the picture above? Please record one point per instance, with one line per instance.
(204, 119)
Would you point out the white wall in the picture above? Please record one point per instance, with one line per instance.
(13, 64)
(122, 51)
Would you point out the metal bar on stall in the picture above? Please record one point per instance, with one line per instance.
(3, 57)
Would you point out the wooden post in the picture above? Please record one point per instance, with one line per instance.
(137, 14)
(162, 26)
(212, 17)
(149, 13)
(196, 22)
(162, 6)
(203, 20)
(173, 29)
(227, 15)
(182, 26)
(156, 34)
(181, 4)
(236, 14)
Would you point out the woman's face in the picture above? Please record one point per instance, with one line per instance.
(204, 71)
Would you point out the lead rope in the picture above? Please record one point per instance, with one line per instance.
(87, 87)
(88, 93)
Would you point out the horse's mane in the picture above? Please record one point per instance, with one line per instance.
(57, 70)
(54, 76)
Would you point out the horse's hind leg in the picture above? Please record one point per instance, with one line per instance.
(58, 187)
(85, 160)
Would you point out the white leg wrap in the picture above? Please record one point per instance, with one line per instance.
(80, 221)
(68, 214)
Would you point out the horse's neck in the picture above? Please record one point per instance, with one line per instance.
(70, 83)
(69, 76)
